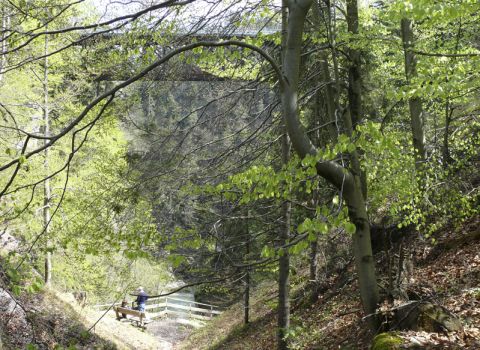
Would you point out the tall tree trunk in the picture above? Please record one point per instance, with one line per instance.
(283, 311)
(330, 97)
(354, 93)
(247, 276)
(446, 156)
(46, 187)
(354, 75)
(324, 116)
(356, 198)
(446, 148)
(3, 38)
(414, 103)
(314, 262)
(284, 264)
(349, 182)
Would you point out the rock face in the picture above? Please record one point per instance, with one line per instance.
(13, 321)
(425, 316)
(8, 243)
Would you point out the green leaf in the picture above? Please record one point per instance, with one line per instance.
(350, 228)
(322, 227)
(305, 226)
(268, 252)
(16, 290)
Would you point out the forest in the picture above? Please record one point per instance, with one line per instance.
(272, 174)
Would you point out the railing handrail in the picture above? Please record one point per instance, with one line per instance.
(184, 301)
(207, 308)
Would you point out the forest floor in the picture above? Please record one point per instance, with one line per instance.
(447, 273)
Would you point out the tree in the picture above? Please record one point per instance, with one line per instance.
(414, 103)
(348, 181)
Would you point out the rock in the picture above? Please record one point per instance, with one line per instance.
(425, 316)
(7, 303)
(13, 322)
(387, 341)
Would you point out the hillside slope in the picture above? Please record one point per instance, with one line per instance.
(44, 321)
(50, 320)
(446, 274)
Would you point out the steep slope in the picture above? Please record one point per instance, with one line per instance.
(44, 321)
(446, 274)
(50, 320)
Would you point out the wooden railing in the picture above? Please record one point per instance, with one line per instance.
(166, 306)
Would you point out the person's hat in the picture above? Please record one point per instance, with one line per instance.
(140, 289)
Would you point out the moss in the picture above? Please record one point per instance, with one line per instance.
(386, 341)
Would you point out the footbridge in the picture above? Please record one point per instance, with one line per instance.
(173, 307)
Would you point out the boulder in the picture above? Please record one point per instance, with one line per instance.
(387, 341)
(425, 316)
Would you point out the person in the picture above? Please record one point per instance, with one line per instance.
(142, 298)
(125, 305)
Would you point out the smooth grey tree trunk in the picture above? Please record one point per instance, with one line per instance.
(46, 187)
(246, 314)
(284, 264)
(283, 310)
(4, 43)
(354, 93)
(330, 97)
(414, 103)
(446, 157)
(347, 181)
(356, 198)
(314, 262)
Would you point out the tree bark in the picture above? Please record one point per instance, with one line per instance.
(314, 262)
(354, 92)
(354, 75)
(356, 198)
(414, 103)
(4, 44)
(283, 311)
(348, 182)
(46, 187)
(247, 276)
(284, 265)
(330, 97)
(446, 148)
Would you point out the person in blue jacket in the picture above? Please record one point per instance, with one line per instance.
(142, 298)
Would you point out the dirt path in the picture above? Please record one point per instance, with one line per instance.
(125, 335)
(170, 330)
(161, 334)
